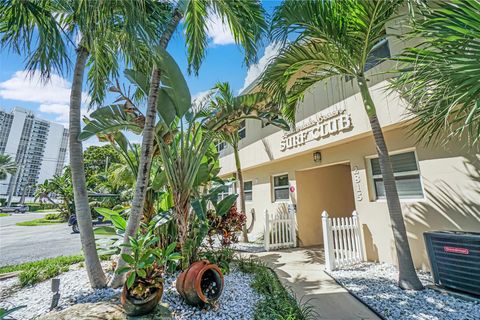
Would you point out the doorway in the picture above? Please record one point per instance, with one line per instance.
(326, 188)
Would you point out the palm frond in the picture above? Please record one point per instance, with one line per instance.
(31, 28)
(440, 76)
(245, 18)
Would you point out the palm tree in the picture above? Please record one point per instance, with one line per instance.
(335, 38)
(246, 21)
(97, 31)
(43, 191)
(439, 76)
(7, 166)
(225, 101)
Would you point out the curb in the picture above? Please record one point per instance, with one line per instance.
(9, 275)
(356, 297)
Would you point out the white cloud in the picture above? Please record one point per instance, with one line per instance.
(53, 96)
(200, 98)
(219, 31)
(256, 70)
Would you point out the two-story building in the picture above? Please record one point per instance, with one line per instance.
(329, 162)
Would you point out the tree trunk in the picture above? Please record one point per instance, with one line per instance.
(408, 278)
(241, 188)
(84, 217)
(143, 175)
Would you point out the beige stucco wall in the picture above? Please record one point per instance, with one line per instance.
(318, 190)
(450, 177)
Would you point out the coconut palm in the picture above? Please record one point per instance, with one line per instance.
(225, 101)
(335, 38)
(439, 77)
(246, 21)
(97, 31)
(7, 166)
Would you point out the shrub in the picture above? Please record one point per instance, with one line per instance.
(52, 216)
(33, 272)
(225, 227)
(278, 303)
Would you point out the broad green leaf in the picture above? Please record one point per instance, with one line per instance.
(110, 119)
(128, 258)
(199, 209)
(171, 247)
(166, 106)
(119, 222)
(224, 206)
(174, 86)
(123, 270)
(141, 273)
(130, 280)
(105, 230)
(138, 78)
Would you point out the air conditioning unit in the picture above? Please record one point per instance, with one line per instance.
(455, 259)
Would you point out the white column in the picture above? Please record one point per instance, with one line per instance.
(328, 242)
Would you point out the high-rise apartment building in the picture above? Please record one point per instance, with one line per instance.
(38, 146)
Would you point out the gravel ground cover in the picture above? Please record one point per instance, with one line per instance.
(238, 300)
(376, 285)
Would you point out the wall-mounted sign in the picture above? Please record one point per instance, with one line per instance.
(292, 189)
(321, 127)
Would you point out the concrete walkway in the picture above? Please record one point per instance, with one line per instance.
(301, 270)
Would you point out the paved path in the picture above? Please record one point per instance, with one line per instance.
(24, 244)
(301, 270)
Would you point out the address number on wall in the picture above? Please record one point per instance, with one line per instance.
(356, 181)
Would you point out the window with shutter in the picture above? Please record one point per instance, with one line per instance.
(407, 176)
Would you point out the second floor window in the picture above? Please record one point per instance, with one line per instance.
(221, 145)
(242, 133)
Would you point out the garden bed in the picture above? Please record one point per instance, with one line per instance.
(376, 286)
(242, 297)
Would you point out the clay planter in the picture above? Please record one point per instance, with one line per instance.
(139, 307)
(201, 283)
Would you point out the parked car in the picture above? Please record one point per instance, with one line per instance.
(16, 209)
(72, 221)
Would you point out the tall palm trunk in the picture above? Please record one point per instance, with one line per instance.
(84, 217)
(407, 278)
(146, 152)
(238, 165)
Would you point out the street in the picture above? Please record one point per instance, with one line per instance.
(24, 244)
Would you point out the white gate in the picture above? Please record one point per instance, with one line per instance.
(342, 241)
(280, 230)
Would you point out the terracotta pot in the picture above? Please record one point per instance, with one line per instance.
(138, 307)
(201, 283)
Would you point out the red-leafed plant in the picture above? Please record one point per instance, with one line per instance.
(226, 227)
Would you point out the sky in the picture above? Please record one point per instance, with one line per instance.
(224, 62)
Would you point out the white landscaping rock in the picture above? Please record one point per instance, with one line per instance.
(376, 285)
(238, 300)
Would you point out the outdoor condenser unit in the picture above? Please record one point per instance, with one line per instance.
(455, 259)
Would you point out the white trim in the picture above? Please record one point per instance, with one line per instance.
(370, 176)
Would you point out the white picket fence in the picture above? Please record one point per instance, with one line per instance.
(280, 230)
(342, 241)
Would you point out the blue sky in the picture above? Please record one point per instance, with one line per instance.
(224, 62)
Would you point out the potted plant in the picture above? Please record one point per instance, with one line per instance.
(146, 264)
